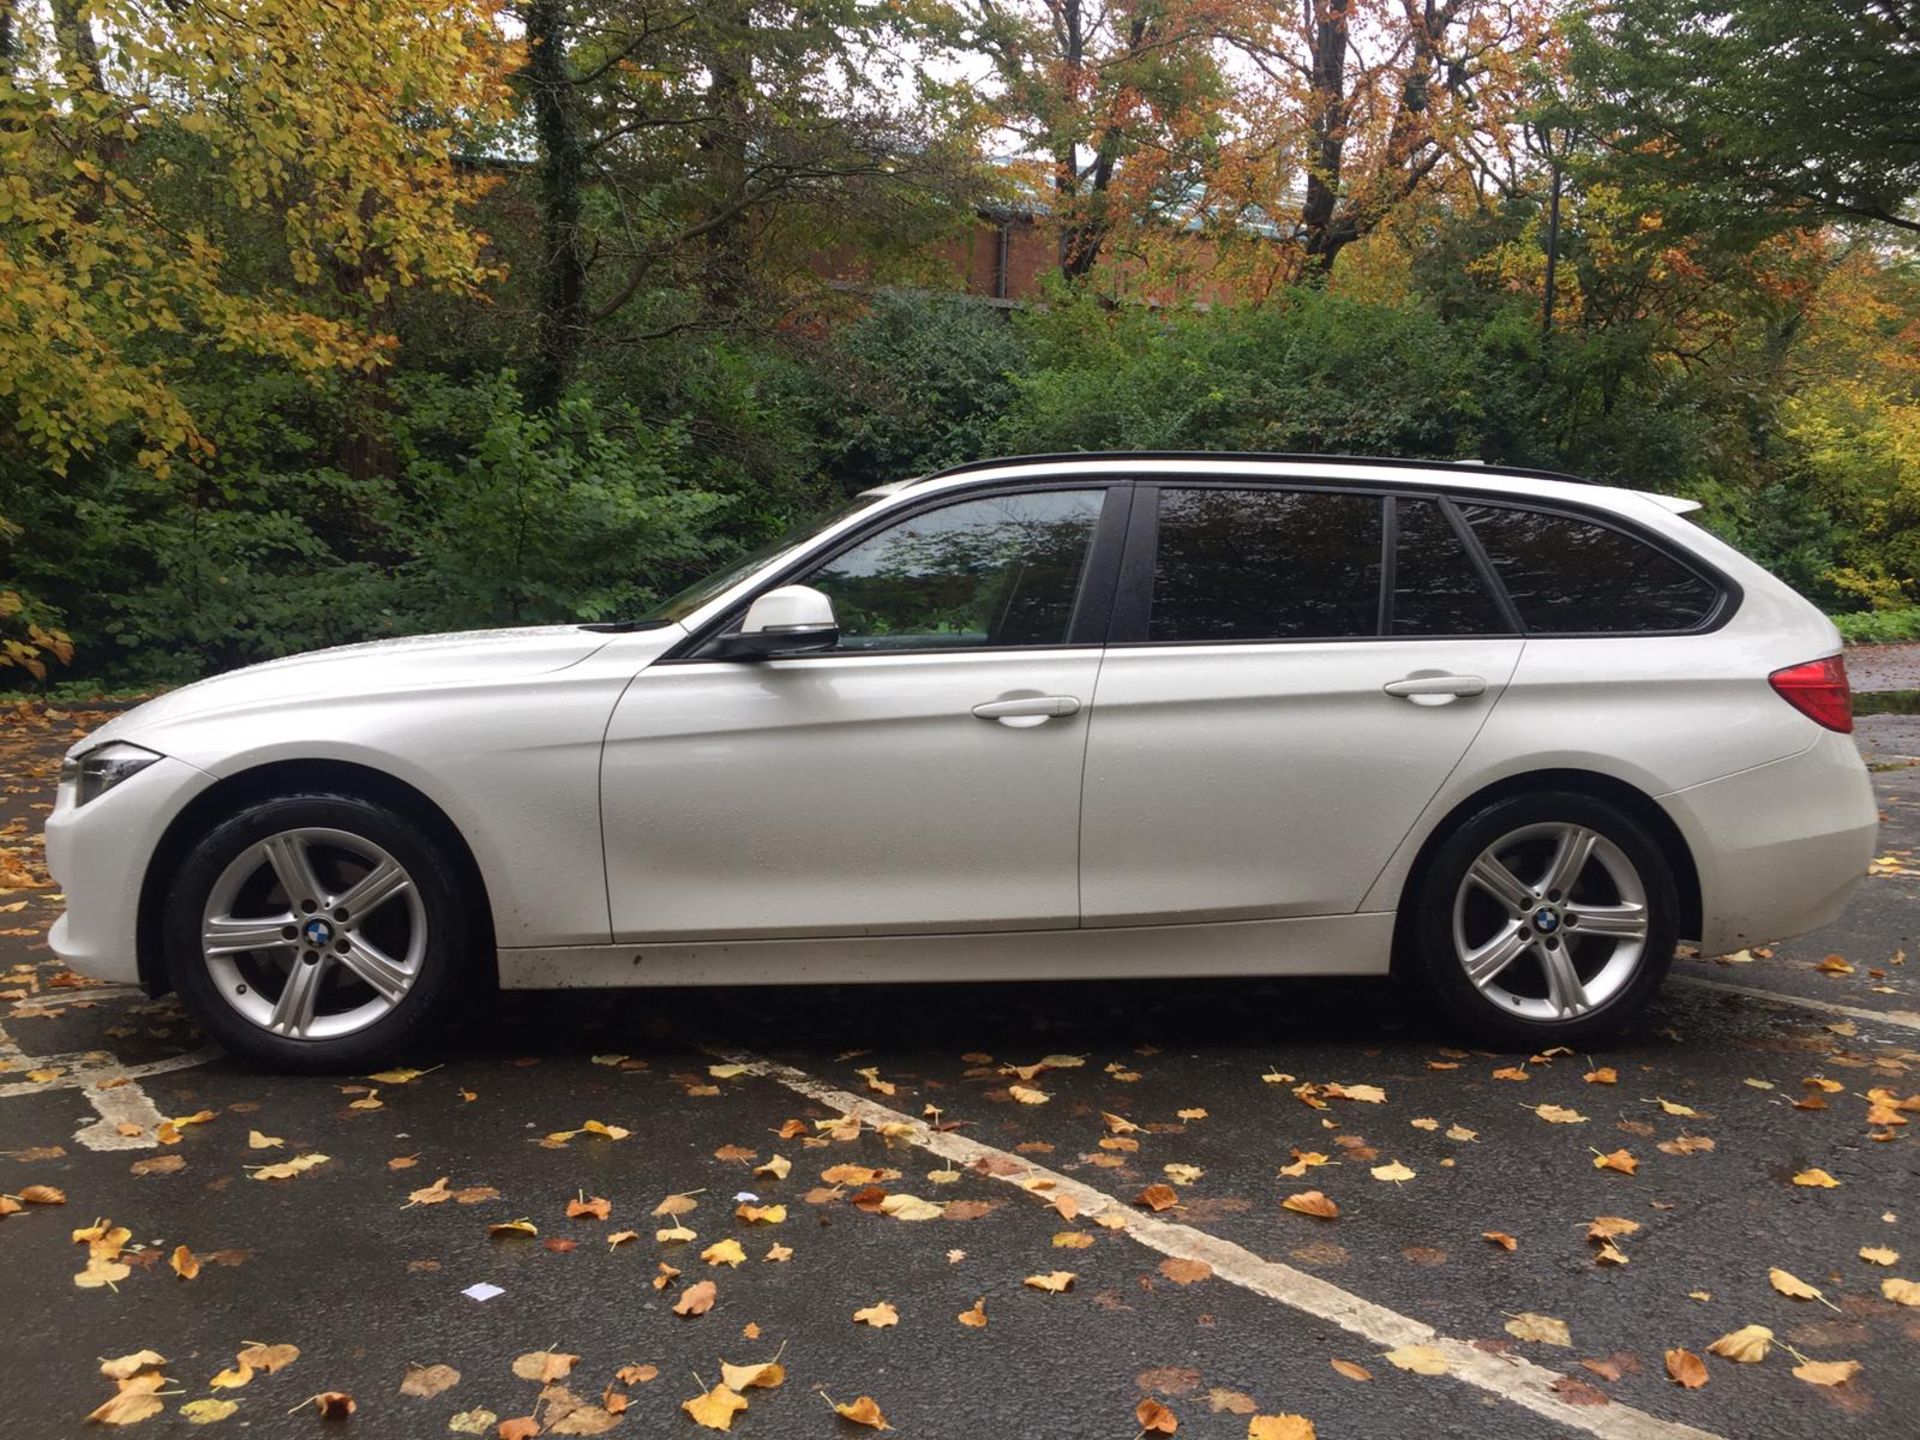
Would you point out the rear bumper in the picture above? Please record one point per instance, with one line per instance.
(98, 854)
(1779, 847)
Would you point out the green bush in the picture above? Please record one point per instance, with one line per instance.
(1879, 627)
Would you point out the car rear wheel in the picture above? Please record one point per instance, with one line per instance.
(316, 932)
(1545, 919)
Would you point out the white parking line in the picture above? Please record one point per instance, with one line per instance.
(122, 1101)
(1906, 1019)
(1509, 1377)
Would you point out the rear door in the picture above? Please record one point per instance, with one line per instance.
(1292, 674)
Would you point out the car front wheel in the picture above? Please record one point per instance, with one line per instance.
(315, 932)
(1545, 919)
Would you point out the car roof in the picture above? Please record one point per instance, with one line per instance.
(1372, 470)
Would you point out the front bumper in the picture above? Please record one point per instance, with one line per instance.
(1779, 848)
(98, 853)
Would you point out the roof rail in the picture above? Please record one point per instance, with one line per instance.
(1072, 455)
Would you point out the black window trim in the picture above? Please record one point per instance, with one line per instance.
(1092, 604)
(1134, 598)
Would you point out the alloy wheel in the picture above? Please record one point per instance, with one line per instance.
(1550, 921)
(314, 933)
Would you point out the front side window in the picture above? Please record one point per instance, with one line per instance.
(1265, 565)
(1569, 576)
(998, 571)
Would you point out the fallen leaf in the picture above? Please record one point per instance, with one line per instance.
(1026, 1095)
(697, 1299)
(1827, 1372)
(124, 1366)
(1543, 1329)
(767, 1375)
(1420, 1359)
(183, 1263)
(1686, 1369)
(1619, 1160)
(777, 1166)
(976, 1318)
(268, 1359)
(472, 1422)
(42, 1195)
(1901, 1292)
(1280, 1427)
(1559, 1115)
(1792, 1286)
(863, 1411)
(287, 1169)
(397, 1077)
(159, 1165)
(1395, 1172)
(1157, 1197)
(1053, 1282)
(598, 1208)
(777, 1253)
(257, 1141)
(1182, 1174)
(879, 1315)
(715, 1409)
(1311, 1202)
(1185, 1272)
(1603, 1075)
(1816, 1179)
(207, 1411)
(676, 1205)
(513, 1227)
(637, 1374)
(1511, 1072)
(1155, 1418)
(427, 1381)
(909, 1207)
(133, 1402)
(1500, 1238)
(1748, 1345)
(545, 1366)
(1351, 1370)
(1072, 1240)
(1879, 1255)
(332, 1404)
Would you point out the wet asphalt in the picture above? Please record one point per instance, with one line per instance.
(335, 1261)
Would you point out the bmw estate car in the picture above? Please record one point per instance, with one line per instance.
(1506, 735)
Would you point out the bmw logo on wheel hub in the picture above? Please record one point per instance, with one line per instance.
(319, 933)
(1546, 920)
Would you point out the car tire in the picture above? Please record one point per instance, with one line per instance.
(1519, 956)
(370, 979)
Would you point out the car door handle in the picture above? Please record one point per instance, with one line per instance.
(1417, 685)
(1028, 709)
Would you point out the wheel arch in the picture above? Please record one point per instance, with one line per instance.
(1636, 802)
(282, 777)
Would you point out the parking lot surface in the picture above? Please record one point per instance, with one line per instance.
(1073, 1209)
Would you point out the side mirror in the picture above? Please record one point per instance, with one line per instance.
(789, 620)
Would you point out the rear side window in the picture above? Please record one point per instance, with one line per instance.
(1265, 565)
(1573, 577)
(1437, 589)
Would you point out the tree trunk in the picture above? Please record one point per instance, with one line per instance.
(729, 61)
(562, 320)
(1326, 233)
(75, 33)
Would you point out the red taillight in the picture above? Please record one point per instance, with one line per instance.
(1818, 690)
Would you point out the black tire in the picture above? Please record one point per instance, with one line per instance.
(435, 985)
(1433, 953)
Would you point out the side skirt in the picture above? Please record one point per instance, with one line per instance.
(1305, 945)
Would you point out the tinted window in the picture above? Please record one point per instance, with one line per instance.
(1571, 576)
(998, 571)
(1436, 588)
(1265, 565)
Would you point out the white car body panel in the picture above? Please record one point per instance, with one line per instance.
(1208, 810)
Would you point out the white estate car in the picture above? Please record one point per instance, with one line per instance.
(1507, 734)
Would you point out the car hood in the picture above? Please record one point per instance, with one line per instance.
(379, 667)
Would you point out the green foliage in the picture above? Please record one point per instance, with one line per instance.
(1879, 627)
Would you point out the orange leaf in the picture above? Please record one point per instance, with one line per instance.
(1155, 1418)
(697, 1299)
(1686, 1368)
(1311, 1202)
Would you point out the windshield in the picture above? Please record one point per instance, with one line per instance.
(678, 607)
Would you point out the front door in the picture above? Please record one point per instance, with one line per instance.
(1295, 672)
(924, 776)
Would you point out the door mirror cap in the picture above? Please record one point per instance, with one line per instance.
(787, 620)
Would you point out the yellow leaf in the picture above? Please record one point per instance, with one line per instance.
(724, 1252)
(777, 1166)
(287, 1169)
(398, 1077)
(1053, 1282)
(1879, 1255)
(911, 1207)
(726, 1072)
(505, 1228)
(765, 1214)
(879, 1315)
(232, 1379)
(1280, 1427)
(1351, 1370)
(1072, 1240)
(1367, 1094)
(1748, 1345)
(1901, 1292)
(472, 1422)
(257, 1141)
(1603, 1075)
(1194, 1114)
(1675, 1108)
(698, 1299)
(976, 1318)
(183, 1262)
(1420, 1359)
(609, 1132)
(1027, 1095)
(1182, 1174)
(125, 1366)
(1816, 1179)
(133, 1402)
(1792, 1286)
(715, 1409)
(597, 1208)
(268, 1359)
(675, 1235)
(207, 1411)
(1303, 1161)
(545, 1366)
(1394, 1171)
(427, 1381)
(1827, 1372)
(676, 1205)
(371, 1101)
(767, 1375)
(1559, 1115)
(1619, 1160)
(1543, 1329)
(863, 1411)
(777, 1253)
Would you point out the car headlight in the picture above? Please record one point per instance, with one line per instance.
(97, 771)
